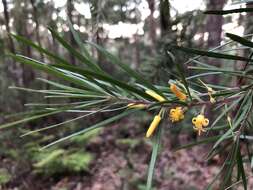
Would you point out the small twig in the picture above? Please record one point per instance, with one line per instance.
(227, 100)
(236, 183)
(193, 104)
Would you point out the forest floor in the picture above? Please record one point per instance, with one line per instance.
(121, 163)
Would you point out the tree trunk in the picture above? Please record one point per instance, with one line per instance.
(70, 8)
(12, 67)
(214, 28)
(20, 24)
(165, 18)
(37, 32)
(247, 22)
(137, 51)
(7, 25)
(152, 25)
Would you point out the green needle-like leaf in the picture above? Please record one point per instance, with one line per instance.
(78, 55)
(240, 40)
(126, 68)
(98, 125)
(241, 170)
(102, 77)
(212, 54)
(224, 12)
(155, 150)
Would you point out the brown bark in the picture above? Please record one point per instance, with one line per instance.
(7, 25)
(214, 28)
(247, 22)
(28, 74)
(70, 9)
(136, 51)
(37, 32)
(101, 59)
(214, 23)
(152, 23)
(21, 26)
(165, 18)
(13, 69)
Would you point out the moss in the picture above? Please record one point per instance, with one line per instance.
(56, 161)
(5, 176)
(77, 162)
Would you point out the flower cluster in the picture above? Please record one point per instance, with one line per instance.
(176, 114)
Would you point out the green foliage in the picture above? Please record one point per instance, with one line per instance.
(77, 162)
(86, 137)
(58, 160)
(129, 142)
(93, 91)
(5, 176)
(51, 162)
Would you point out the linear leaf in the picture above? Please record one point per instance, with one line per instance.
(102, 77)
(39, 48)
(202, 141)
(98, 125)
(212, 54)
(78, 55)
(126, 68)
(49, 69)
(224, 12)
(241, 169)
(78, 40)
(7, 125)
(155, 150)
(240, 40)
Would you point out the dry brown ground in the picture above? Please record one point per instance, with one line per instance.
(122, 166)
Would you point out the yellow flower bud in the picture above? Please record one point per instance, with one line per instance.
(138, 106)
(229, 121)
(180, 95)
(212, 99)
(155, 95)
(153, 125)
(199, 122)
(176, 114)
(209, 89)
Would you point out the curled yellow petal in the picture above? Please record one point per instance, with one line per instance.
(199, 123)
(155, 95)
(153, 125)
(180, 95)
(138, 106)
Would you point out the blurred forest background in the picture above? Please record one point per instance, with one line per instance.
(137, 31)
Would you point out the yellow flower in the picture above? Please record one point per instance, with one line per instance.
(153, 125)
(138, 106)
(199, 122)
(180, 95)
(176, 114)
(155, 95)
